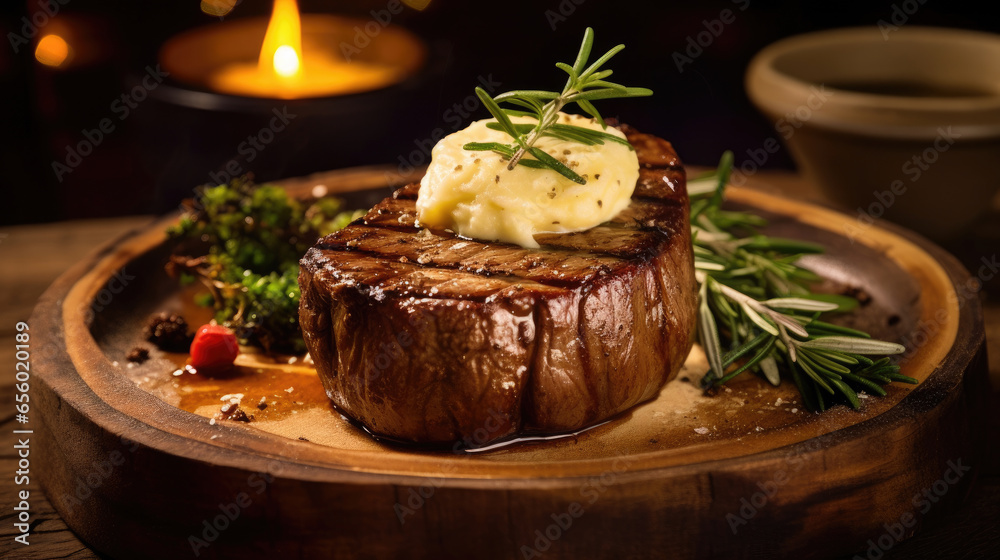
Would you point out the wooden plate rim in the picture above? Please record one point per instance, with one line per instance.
(258, 451)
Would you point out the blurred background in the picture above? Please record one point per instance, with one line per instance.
(57, 163)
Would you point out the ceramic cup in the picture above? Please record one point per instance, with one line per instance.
(894, 123)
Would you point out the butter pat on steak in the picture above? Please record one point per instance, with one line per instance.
(427, 337)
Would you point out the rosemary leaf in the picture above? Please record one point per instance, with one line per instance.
(557, 165)
(488, 147)
(589, 108)
(533, 163)
(758, 320)
(595, 135)
(573, 76)
(800, 304)
(855, 345)
(497, 113)
(609, 93)
(526, 94)
(601, 61)
(746, 348)
(709, 335)
(770, 368)
(584, 54)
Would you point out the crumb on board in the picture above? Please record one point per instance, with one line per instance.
(231, 409)
(137, 355)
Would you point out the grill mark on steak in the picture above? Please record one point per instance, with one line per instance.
(368, 275)
(547, 340)
(600, 248)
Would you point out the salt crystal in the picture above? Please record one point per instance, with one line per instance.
(701, 430)
(794, 410)
(778, 402)
(290, 389)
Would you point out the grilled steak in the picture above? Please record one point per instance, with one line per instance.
(426, 337)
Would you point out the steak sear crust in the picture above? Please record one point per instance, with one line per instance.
(426, 337)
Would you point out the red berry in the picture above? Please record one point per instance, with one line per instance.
(214, 347)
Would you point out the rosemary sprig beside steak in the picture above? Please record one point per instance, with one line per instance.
(756, 302)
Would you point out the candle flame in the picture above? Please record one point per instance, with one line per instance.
(286, 61)
(282, 46)
(52, 50)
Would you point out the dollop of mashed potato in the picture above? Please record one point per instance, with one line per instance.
(473, 194)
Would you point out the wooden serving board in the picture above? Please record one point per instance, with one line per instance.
(132, 461)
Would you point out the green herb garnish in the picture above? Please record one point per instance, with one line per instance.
(756, 301)
(243, 242)
(584, 85)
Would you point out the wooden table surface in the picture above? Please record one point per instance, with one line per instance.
(31, 257)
